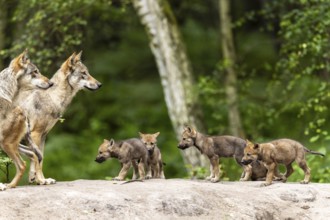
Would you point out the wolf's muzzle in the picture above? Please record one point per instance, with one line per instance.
(246, 162)
(100, 159)
(182, 146)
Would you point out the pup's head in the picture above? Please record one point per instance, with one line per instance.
(150, 141)
(27, 74)
(188, 138)
(251, 152)
(77, 74)
(103, 152)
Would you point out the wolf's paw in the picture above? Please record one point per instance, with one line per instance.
(209, 178)
(214, 180)
(117, 178)
(148, 177)
(243, 179)
(265, 184)
(304, 182)
(2, 187)
(47, 181)
(283, 179)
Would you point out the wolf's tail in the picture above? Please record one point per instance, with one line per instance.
(313, 152)
(33, 150)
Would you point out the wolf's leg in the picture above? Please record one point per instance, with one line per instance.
(135, 170)
(149, 170)
(123, 171)
(216, 171)
(142, 164)
(289, 171)
(211, 173)
(161, 168)
(247, 173)
(303, 165)
(36, 174)
(13, 129)
(270, 174)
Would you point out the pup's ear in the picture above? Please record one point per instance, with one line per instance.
(256, 146)
(141, 135)
(111, 142)
(156, 134)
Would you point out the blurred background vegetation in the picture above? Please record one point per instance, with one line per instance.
(283, 66)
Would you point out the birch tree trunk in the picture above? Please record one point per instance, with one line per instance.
(174, 69)
(229, 56)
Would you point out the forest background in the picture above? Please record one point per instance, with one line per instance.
(281, 77)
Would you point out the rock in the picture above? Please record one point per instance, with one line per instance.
(166, 199)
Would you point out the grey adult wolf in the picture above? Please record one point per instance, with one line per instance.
(44, 108)
(21, 73)
(128, 152)
(215, 147)
(281, 151)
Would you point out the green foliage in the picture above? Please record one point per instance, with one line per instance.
(5, 163)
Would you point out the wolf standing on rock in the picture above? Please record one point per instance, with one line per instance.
(44, 108)
(215, 147)
(155, 163)
(128, 152)
(21, 73)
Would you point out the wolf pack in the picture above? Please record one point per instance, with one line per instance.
(31, 104)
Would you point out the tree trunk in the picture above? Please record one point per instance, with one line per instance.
(174, 69)
(229, 58)
(3, 22)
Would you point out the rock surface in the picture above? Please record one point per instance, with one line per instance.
(166, 199)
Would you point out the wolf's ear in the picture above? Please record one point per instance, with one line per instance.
(67, 65)
(23, 57)
(71, 60)
(78, 57)
(141, 135)
(256, 146)
(156, 134)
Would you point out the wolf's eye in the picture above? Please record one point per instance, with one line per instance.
(152, 143)
(184, 139)
(248, 154)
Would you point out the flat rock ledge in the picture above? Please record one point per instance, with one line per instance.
(166, 199)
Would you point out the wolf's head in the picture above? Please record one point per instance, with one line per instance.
(27, 74)
(251, 152)
(103, 152)
(77, 74)
(188, 138)
(150, 141)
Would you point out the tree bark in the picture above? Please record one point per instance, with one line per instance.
(174, 69)
(3, 23)
(229, 57)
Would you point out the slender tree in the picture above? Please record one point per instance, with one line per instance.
(3, 22)
(229, 60)
(174, 69)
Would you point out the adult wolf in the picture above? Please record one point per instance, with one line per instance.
(44, 108)
(21, 73)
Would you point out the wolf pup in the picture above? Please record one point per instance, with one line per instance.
(21, 73)
(155, 163)
(45, 108)
(281, 151)
(127, 152)
(215, 147)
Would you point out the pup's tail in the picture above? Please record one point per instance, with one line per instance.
(313, 152)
